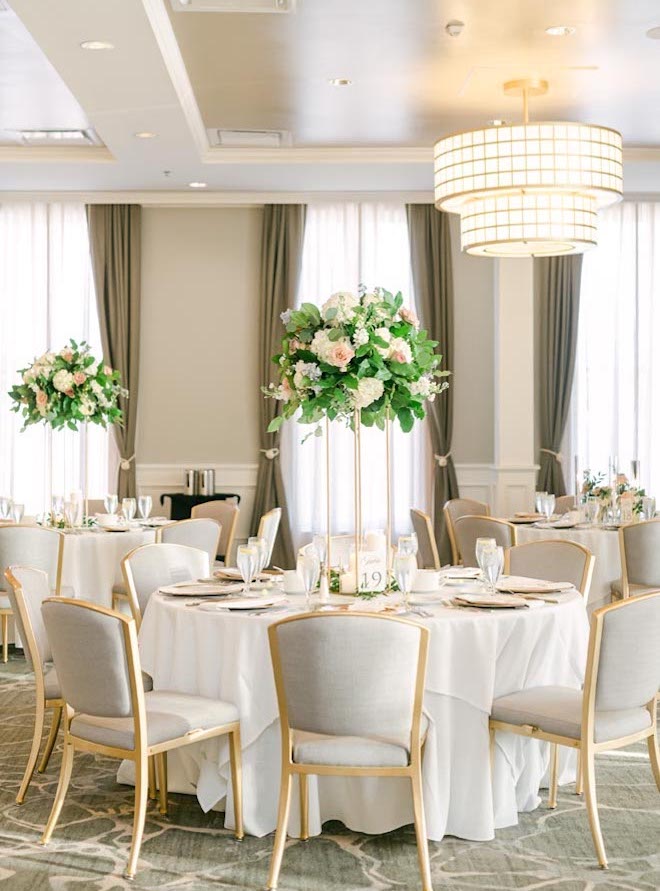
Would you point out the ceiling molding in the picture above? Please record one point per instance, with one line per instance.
(641, 153)
(320, 155)
(215, 199)
(60, 154)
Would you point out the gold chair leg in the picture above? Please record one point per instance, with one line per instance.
(579, 785)
(554, 766)
(5, 638)
(161, 767)
(282, 824)
(589, 774)
(152, 778)
(62, 786)
(34, 751)
(142, 764)
(237, 780)
(304, 806)
(654, 755)
(52, 736)
(420, 830)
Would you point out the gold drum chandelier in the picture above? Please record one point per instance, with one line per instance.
(530, 189)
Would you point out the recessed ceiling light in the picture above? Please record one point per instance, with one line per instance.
(340, 82)
(146, 134)
(97, 45)
(560, 30)
(654, 33)
(196, 185)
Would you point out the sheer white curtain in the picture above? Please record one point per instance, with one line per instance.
(46, 297)
(616, 397)
(347, 244)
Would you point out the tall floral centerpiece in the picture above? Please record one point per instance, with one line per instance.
(360, 359)
(67, 389)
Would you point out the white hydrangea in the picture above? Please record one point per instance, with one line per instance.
(370, 298)
(400, 350)
(63, 380)
(87, 407)
(303, 370)
(360, 337)
(321, 344)
(344, 302)
(369, 390)
(384, 334)
(421, 387)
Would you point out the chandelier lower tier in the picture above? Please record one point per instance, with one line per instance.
(530, 189)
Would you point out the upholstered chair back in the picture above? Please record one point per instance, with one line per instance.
(640, 552)
(564, 503)
(629, 660)
(89, 653)
(226, 514)
(31, 546)
(464, 507)
(27, 590)
(427, 555)
(202, 533)
(349, 674)
(555, 560)
(268, 526)
(151, 566)
(468, 529)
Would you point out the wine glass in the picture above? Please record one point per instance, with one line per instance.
(648, 507)
(247, 560)
(145, 503)
(592, 509)
(405, 569)
(5, 507)
(262, 551)
(111, 502)
(17, 511)
(408, 544)
(309, 567)
(493, 562)
(548, 506)
(538, 501)
(483, 544)
(128, 507)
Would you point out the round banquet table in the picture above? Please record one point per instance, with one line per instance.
(603, 544)
(474, 656)
(92, 562)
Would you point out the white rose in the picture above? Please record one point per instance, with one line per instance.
(400, 350)
(321, 344)
(344, 302)
(87, 408)
(369, 390)
(63, 380)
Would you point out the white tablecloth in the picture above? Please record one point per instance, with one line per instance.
(603, 544)
(473, 658)
(92, 562)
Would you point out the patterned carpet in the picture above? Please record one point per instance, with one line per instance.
(190, 850)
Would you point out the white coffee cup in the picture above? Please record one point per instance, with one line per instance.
(107, 521)
(426, 580)
(292, 582)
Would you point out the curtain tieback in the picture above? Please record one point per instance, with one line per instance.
(270, 454)
(125, 463)
(441, 460)
(556, 455)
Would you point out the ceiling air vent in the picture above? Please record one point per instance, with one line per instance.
(249, 138)
(234, 6)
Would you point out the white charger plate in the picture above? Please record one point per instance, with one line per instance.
(238, 603)
(194, 589)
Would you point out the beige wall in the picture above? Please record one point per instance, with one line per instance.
(199, 386)
(474, 288)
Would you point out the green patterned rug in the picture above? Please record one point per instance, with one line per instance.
(191, 851)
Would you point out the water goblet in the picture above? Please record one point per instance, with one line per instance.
(145, 503)
(247, 560)
(17, 511)
(5, 507)
(405, 569)
(648, 507)
(70, 513)
(408, 544)
(309, 567)
(548, 506)
(128, 507)
(262, 550)
(483, 544)
(111, 502)
(493, 559)
(538, 501)
(57, 507)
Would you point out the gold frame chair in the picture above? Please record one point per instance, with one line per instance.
(455, 554)
(586, 747)
(160, 530)
(142, 753)
(262, 523)
(425, 519)
(511, 526)
(587, 575)
(6, 614)
(625, 584)
(42, 702)
(199, 512)
(289, 767)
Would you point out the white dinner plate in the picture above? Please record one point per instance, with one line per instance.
(194, 589)
(238, 603)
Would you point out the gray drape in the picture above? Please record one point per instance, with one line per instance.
(557, 298)
(281, 257)
(430, 255)
(114, 238)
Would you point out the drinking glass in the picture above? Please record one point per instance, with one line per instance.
(145, 503)
(17, 511)
(408, 544)
(111, 502)
(648, 507)
(309, 567)
(538, 501)
(483, 544)
(57, 506)
(493, 560)
(247, 560)
(128, 507)
(548, 506)
(592, 509)
(262, 550)
(70, 513)
(5, 508)
(405, 569)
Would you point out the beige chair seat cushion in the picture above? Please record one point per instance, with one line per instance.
(616, 588)
(169, 716)
(52, 684)
(559, 710)
(351, 751)
(4, 602)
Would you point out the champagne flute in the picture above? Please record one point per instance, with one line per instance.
(128, 507)
(309, 567)
(111, 502)
(145, 503)
(405, 569)
(247, 560)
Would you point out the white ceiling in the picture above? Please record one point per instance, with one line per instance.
(178, 73)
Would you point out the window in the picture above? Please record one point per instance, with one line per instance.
(345, 245)
(616, 397)
(46, 297)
